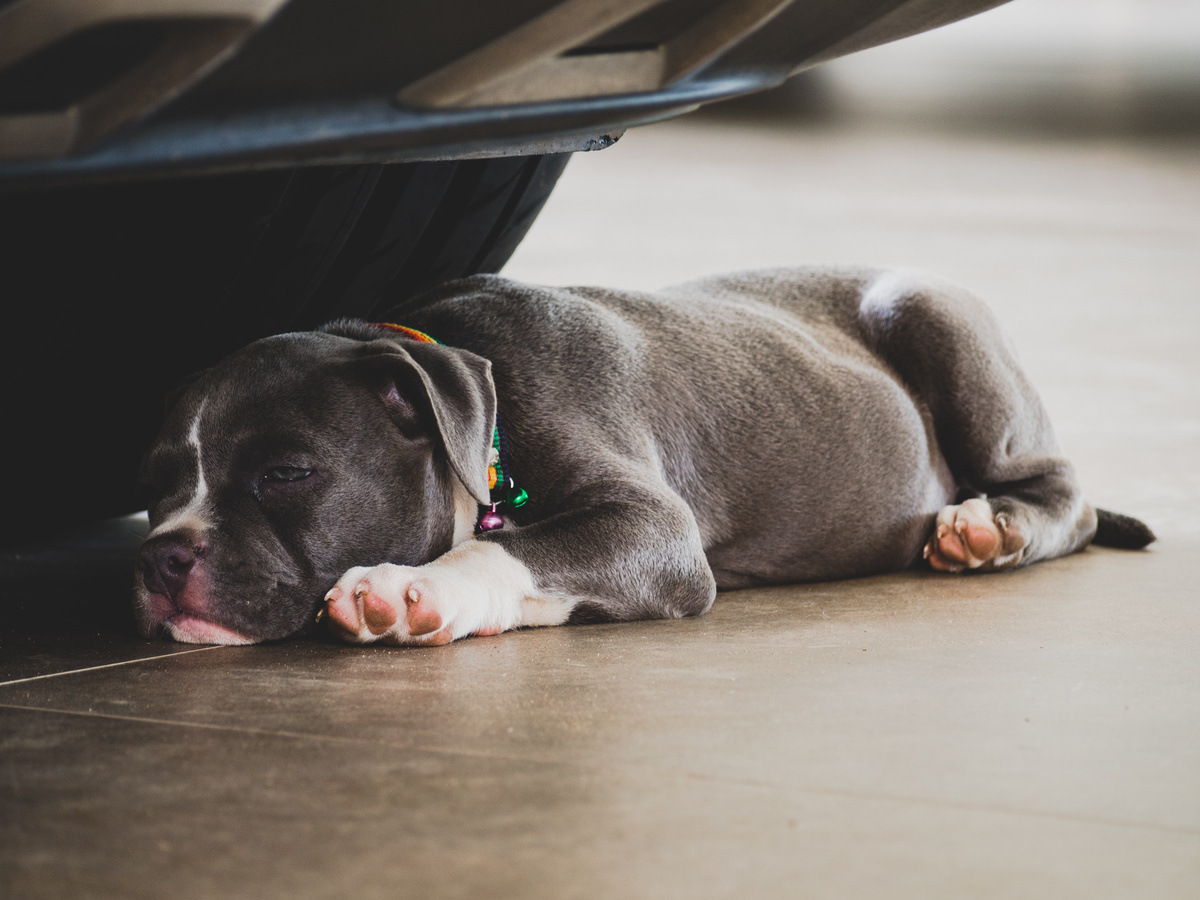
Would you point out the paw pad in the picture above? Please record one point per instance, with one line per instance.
(377, 613)
(420, 617)
(968, 536)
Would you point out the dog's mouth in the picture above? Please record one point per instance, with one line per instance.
(188, 628)
(159, 617)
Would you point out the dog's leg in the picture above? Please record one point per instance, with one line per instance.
(623, 560)
(990, 423)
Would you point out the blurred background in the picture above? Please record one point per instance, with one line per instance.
(1067, 67)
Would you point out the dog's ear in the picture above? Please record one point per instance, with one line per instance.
(458, 388)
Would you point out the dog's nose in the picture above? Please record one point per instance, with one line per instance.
(166, 561)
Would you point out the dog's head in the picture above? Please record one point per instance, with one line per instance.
(297, 458)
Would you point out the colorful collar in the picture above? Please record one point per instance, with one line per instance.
(501, 486)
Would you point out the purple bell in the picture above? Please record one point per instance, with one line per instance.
(491, 520)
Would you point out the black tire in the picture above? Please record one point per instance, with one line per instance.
(116, 293)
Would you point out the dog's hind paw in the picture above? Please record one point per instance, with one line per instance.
(969, 536)
(388, 603)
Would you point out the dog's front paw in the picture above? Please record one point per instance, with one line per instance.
(969, 536)
(392, 604)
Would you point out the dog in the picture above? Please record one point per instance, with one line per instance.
(512, 456)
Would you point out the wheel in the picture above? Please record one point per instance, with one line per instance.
(115, 293)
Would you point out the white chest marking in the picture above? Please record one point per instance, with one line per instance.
(465, 513)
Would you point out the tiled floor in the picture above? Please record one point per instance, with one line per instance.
(1034, 734)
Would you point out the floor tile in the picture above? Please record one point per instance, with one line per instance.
(118, 809)
(989, 691)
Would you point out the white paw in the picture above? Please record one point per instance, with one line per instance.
(968, 536)
(393, 604)
(476, 588)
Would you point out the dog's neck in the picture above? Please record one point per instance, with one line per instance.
(466, 512)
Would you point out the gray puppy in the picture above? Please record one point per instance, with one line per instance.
(761, 428)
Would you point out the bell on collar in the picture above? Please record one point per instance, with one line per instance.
(491, 521)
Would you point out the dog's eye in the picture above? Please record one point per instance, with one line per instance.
(286, 473)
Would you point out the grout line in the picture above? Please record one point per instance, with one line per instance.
(699, 776)
(124, 662)
(211, 726)
(960, 805)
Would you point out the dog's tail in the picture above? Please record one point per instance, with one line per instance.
(1126, 532)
